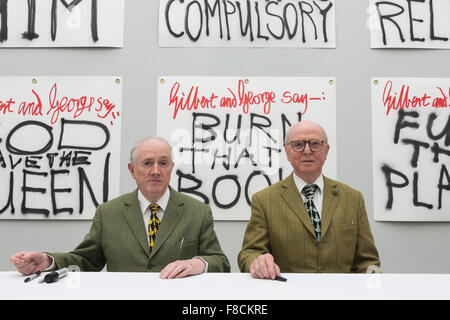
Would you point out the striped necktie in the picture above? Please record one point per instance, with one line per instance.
(153, 224)
(309, 191)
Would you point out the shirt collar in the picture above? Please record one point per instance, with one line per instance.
(162, 202)
(300, 183)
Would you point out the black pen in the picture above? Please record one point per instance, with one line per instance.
(33, 276)
(278, 278)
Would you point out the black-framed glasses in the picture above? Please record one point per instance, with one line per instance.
(315, 145)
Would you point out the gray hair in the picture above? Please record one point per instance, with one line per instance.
(133, 152)
(288, 135)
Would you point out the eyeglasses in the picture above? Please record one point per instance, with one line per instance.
(314, 144)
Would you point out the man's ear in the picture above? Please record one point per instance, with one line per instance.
(131, 169)
(288, 155)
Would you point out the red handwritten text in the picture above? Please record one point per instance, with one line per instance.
(77, 105)
(190, 102)
(65, 104)
(249, 98)
(394, 102)
(31, 108)
(105, 106)
(288, 97)
(5, 107)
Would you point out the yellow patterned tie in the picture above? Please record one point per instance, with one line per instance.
(153, 224)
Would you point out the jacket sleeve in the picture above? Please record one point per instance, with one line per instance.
(209, 246)
(256, 237)
(366, 254)
(88, 255)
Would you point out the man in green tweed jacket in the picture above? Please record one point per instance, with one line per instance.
(283, 236)
(121, 232)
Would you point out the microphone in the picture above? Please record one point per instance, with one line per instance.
(56, 275)
(335, 192)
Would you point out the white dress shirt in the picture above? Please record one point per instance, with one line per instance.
(318, 195)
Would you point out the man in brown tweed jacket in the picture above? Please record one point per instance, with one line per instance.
(283, 236)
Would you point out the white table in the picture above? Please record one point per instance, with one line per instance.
(231, 286)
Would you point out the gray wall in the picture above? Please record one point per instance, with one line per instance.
(404, 247)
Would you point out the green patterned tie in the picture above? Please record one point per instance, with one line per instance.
(309, 191)
(153, 224)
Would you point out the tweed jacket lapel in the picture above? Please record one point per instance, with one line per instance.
(172, 214)
(291, 196)
(330, 201)
(133, 215)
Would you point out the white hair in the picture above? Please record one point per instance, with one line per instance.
(133, 152)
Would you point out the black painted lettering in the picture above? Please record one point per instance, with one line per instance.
(191, 190)
(233, 178)
(31, 34)
(445, 131)
(10, 202)
(211, 11)
(412, 20)
(291, 34)
(70, 6)
(441, 186)
(204, 126)
(83, 180)
(236, 129)
(26, 189)
(248, 24)
(388, 172)
(432, 35)
(258, 19)
(54, 191)
(437, 151)
(260, 125)
(416, 145)
(416, 201)
(401, 124)
(76, 124)
(186, 21)
(249, 180)
(304, 12)
(389, 17)
(16, 150)
(228, 13)
(173, 33)
(4, 22)
(283, 28)
(324, 12)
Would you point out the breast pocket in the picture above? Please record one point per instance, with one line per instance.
(188, 249)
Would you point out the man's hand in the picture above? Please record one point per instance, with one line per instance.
(183, 268)
(264, 267)
(30, 262)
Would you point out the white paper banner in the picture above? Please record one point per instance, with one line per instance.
(247, 23)
(61, 23)
(409, 24)
(411, 149)
(227, 133)
(59, 145)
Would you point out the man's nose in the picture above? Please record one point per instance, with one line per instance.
(307, 149)
(155, 170)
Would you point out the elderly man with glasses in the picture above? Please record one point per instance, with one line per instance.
(308, 222)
